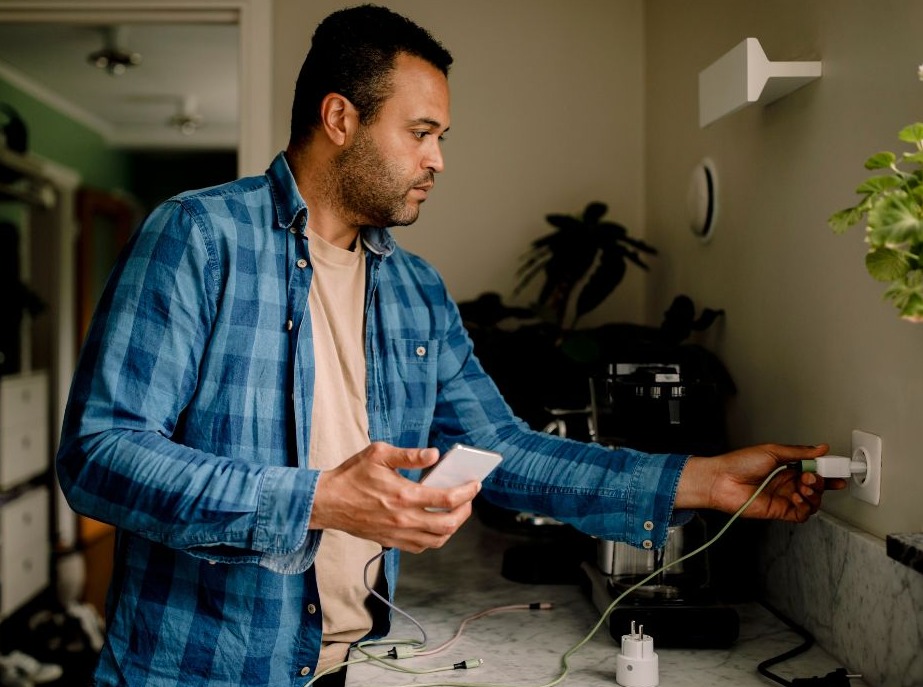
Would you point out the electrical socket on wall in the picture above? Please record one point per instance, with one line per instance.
(866, 448)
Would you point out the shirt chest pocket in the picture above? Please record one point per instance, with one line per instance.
(412, 382)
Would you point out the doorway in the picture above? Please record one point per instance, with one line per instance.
(253, 19)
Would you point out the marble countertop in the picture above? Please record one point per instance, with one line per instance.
(524, 648)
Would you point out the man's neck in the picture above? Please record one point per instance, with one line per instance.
(330, 227)
(324, 217)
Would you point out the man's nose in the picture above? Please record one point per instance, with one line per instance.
(434, 161)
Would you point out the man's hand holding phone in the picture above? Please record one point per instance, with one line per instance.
(461, 465)
(366, 496)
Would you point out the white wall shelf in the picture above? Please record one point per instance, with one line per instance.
(745, 76)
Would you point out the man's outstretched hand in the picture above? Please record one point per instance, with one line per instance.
(725, 482)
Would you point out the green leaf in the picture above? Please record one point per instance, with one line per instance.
(907, 295)
(880, 160)
(912, 133)
(895, 220)
(844, 219)
(886, 264)
(914, 157)
(878, 184)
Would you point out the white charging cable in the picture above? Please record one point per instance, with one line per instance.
(413, 648)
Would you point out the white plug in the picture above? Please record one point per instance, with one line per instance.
(834, 466)
(636, 665)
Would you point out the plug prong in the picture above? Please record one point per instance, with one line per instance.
(641, 632)
(632, 629)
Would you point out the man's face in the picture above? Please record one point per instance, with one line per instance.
(384, 175)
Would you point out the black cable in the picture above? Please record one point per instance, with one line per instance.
(807, 643)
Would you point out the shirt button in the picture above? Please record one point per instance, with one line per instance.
(312, 609)
(647, 544)
(289, 325)
(648, 525)
(302, 263)
(293, 230)
(305, 671)
(421, 351)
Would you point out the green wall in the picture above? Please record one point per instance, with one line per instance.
(55, 137)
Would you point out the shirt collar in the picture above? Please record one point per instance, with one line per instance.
(285, 196)
(289, 205)
(378, 241)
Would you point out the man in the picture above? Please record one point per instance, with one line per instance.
(264, 362)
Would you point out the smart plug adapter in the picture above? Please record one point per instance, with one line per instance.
(636, 664)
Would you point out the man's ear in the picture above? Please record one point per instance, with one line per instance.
(339, 118)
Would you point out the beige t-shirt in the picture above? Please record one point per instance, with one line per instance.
(339, 429)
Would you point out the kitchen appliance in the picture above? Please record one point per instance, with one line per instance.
(679, 605)
(657, 399)
(666, 401)
(660, 406)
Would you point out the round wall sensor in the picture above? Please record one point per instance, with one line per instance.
(702, 200)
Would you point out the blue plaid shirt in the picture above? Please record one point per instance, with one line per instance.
(189, 421)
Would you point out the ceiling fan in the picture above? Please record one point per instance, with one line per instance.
(186, 119)
(113, 57)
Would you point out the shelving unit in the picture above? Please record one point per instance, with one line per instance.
(37, 206)
(744, 76)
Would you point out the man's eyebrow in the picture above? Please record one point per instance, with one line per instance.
(436, 124)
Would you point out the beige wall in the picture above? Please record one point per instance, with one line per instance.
(546, 116)
(814, 349)
(557, 103)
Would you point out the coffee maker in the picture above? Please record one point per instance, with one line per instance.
(664, 404)
(678, 605)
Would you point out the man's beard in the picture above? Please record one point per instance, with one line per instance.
(368, 190)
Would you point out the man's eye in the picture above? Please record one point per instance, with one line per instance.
(420, 135)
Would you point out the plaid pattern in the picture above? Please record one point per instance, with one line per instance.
(189, 420)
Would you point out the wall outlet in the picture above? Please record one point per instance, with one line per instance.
(866, 448)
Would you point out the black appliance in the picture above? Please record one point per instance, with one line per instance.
(669, 400)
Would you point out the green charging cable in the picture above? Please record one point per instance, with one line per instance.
(564, 666)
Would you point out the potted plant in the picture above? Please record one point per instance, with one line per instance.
(536, 354)
(892, 207)
(584, 247)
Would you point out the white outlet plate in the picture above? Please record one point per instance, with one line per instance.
(867, 448)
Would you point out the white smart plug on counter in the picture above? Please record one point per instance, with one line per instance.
(636, 664)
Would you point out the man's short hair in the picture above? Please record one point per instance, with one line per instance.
(352, 53)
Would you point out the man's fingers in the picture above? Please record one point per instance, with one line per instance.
(786, 453)
(426, 529)
(435, 498)
(405, 458)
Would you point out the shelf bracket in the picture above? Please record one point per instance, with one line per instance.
(745, 76)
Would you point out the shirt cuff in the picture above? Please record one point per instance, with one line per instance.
(281, 531)
(650, 513)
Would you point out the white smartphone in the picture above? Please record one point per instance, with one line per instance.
(459, 465)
